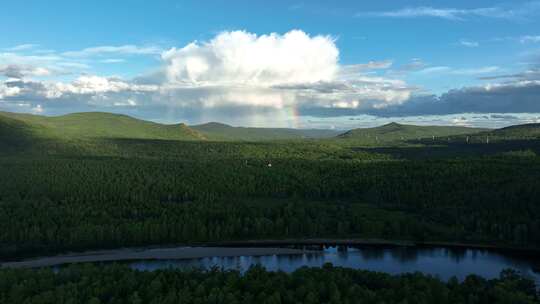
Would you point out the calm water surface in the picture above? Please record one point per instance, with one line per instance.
(441, 262)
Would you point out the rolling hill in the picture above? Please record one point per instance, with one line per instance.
(219, 131)
(395, 132)
(91, 125)
(526, 131)
(13, 133)
(23, 129)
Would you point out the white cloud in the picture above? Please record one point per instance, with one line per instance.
(526, 39)
(516, 12)
(476, 71)
(7, 91)
(444, 13)
(236, 74)
(38, 65)
(113, 60)
(241, 58)
(22, 47)
(354, 70)
(90, 85)
(239, 74)
(461, 121)
(128, 103)
(279, 71)
(71, 62)
(487, 120)
(38, 109)
(454, 71)
(74, 65)
(469, 43)
(107, 50)
(435, 69)
(38, 60)
(21, 71)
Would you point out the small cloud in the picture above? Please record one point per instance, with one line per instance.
(21, 71)
(128, 103)
(22, 47)
(44, 52)
(296, 6)
(449, 70)
(469, 43)
(76, 65)
(503, 116)
(517, 12)
(529, 39)
(461, 121)
(531, 74)
(445, 13)
(113, 60)
(475, 71)
(123, 49)
(353, 70)
(38, 109)
(435, 69)
(415, 65)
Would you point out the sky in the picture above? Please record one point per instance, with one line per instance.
(311, 64)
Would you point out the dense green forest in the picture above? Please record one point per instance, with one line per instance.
(59, 204)
(394, 131)
(219, 131)
(117, 284)
(66, 193)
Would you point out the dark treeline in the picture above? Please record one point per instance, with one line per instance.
(119, 284)
(171, 192)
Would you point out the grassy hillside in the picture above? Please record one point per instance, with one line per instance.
(526, 131)
(396, 132)
(219, 131)
(94, 125)
(13, 133)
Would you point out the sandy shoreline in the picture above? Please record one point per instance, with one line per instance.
(175, 253)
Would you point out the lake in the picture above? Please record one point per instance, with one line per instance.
(438, 261)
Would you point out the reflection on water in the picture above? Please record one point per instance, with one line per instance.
(441, 262)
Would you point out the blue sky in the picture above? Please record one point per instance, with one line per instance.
(279, 63)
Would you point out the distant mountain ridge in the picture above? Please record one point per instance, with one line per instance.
(17, 129)
(395, 131)
(220, 131)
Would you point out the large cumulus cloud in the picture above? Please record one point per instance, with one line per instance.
(242, 58)
(276, 71)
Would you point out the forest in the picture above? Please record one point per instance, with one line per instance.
(68, 193)
(140, 192)
(116, 284)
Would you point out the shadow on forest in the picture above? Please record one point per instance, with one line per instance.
(423, 150)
